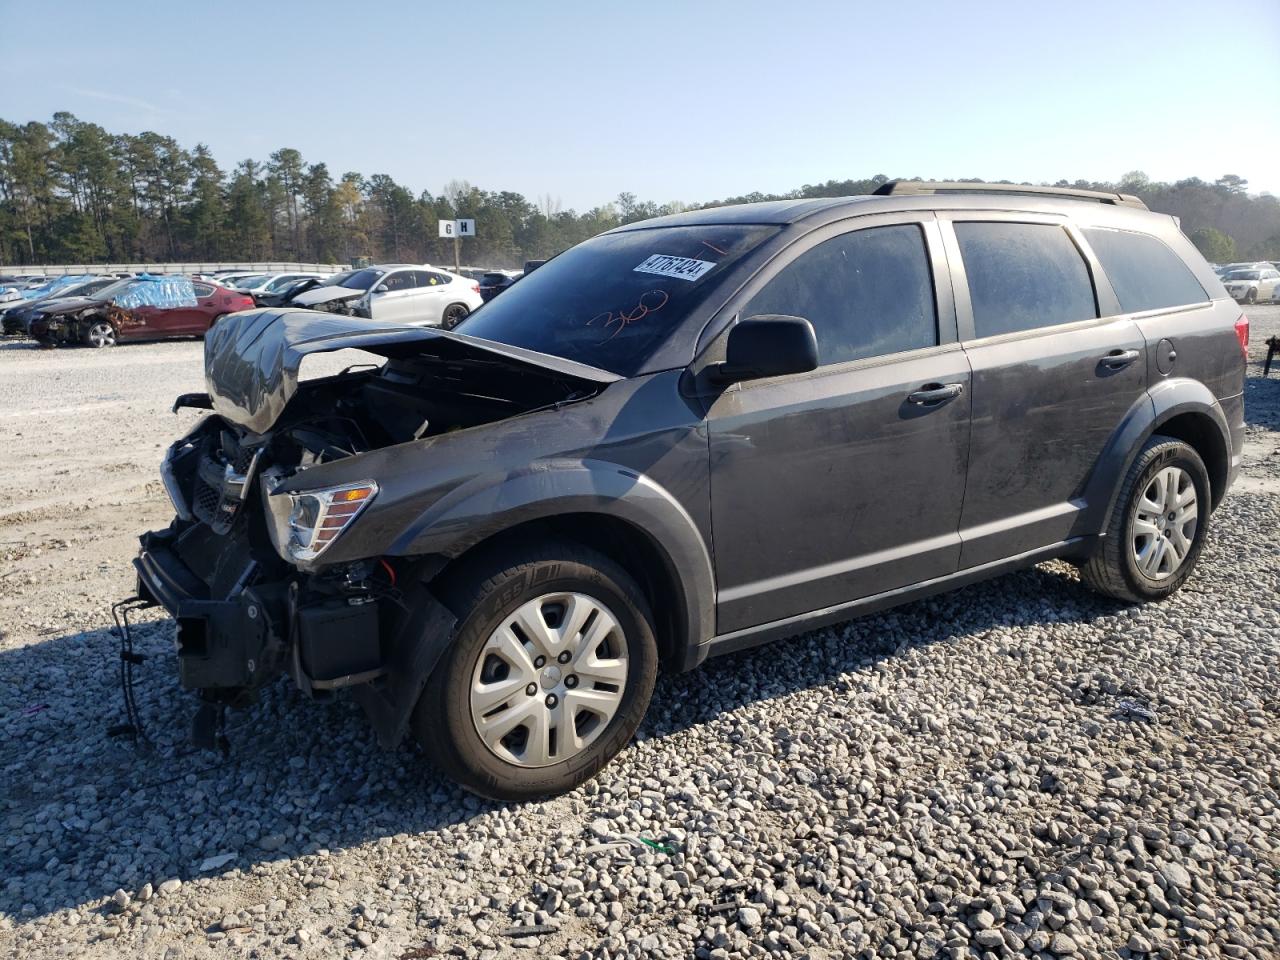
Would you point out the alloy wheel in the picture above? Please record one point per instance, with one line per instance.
(101, 334)
(1164, 525)
(453, 316)
(549, 679)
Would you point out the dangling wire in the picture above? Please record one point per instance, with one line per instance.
(128, 659)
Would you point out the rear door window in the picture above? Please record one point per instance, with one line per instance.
(867, 293)
(1145, 274)
(1023, 276)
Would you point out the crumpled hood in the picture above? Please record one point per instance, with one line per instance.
(318, 295)
(251, 359)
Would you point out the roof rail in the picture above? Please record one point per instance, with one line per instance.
(905, 188)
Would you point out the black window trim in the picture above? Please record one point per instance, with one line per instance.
(711, 346)
(1104, 298)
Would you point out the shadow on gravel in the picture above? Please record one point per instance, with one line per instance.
(85, 814)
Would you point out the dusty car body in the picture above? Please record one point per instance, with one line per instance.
(671, 442)
(140, 309)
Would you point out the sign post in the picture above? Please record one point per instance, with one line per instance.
(457, 229)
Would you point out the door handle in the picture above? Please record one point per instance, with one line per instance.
(934, 393)
(1119, 359)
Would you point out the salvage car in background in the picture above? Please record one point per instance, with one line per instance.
(270, 283)
(492, 284)
(283, 297)
(420, 295)
(40, 288)
(15, 319)
(145, 308)
(1253, 284)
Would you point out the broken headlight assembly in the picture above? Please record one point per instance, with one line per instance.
(306, 522)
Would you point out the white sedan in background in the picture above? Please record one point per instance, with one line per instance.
(415, 294)
(1253, 285)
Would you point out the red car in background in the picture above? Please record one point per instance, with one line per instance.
(140, 308)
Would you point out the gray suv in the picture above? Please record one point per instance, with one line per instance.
(686, 437)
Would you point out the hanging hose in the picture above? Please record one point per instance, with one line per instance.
(129, 658)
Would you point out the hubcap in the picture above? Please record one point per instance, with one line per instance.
(1164, 526)
(534, 716)
(102, 335)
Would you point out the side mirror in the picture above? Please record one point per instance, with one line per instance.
(770, 345)
(381, 288)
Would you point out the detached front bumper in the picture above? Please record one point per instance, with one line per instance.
(231, 640)
(237, 632)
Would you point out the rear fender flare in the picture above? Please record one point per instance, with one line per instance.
(488, 505)
(1160, 404)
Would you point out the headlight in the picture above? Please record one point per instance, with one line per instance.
(318, 517)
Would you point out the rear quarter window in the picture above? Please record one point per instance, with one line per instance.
(1144, 272)
(1023, 276)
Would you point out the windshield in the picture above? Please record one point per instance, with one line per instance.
(612, 301)
(356, 279)
(244, 283)
(81, 289)
(1244, 275)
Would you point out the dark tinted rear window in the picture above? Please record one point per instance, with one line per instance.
(612, 301)
(1145, 274)
(868, 293)
(1023, 276)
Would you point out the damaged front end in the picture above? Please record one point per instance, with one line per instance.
(244, 568)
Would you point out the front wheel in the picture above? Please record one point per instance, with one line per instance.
(454, 314)
(100, 334)
(1157, 527)
(1251, 297)
(550, 672)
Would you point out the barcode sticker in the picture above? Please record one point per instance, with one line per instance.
(682, 268)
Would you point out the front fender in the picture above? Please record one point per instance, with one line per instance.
(489, 504)
(1160, 404)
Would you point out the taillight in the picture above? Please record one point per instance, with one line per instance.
(475, 287)
(1242, 334)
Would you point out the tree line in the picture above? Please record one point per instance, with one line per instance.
(71, 192)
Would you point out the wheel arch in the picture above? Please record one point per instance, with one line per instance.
(626, 516)
(626, 544)
(1180, 408)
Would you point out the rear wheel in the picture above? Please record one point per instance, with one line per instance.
(550, 672)
(454, 314)
(1158, 526)
(100, 333)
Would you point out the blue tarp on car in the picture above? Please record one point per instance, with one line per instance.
(165, 292)
(54, 285)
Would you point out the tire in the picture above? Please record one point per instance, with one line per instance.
(99, 333)
(454, 314)
(1122, 566)
(1251, 297)
(487, 595)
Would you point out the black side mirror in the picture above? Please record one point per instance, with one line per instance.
(770, 345)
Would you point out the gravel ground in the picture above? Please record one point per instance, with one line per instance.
(1020, 768)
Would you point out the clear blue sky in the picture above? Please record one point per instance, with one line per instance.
(672, 101)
